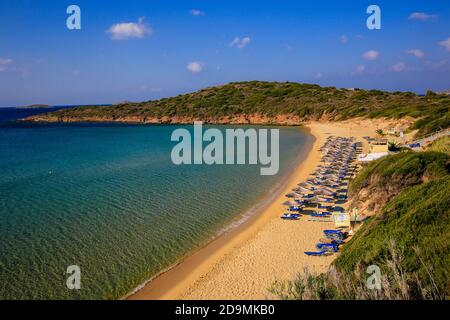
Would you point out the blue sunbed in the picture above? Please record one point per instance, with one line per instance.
(318, 253)
(332, 247)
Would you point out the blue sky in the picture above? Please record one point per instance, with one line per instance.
(139, 50)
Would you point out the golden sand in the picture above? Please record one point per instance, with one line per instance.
(244, 263)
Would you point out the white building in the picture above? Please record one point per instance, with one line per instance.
(371, 156)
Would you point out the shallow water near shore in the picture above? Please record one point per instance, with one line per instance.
(106, 197)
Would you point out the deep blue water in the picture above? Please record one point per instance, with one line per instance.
(10, 114)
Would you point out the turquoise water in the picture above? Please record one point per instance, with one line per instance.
(107, 198)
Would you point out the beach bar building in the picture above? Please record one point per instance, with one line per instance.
(378, 145)
(378, 148)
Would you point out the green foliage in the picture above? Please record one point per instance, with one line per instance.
(396, 172)
(408, 238)
(441, 145)
(305, 287)
(392, 146)
(396, 282)
(416, 214)
(307, 101)
(418, 217)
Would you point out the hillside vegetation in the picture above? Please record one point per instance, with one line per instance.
(384, 179)
(271, 99)
(441, 145)
(418, 220)
(408, 238)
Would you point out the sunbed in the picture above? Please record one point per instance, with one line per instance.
(318, 253)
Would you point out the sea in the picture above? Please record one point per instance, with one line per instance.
(106, 199)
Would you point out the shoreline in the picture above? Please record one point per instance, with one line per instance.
(166, 279)
(175, 282)
(243, 264)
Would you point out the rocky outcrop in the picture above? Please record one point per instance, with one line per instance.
(240, 119)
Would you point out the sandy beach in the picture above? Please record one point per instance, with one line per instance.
(244, 263)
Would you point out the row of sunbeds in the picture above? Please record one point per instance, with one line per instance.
(330, 244)
(327, 184)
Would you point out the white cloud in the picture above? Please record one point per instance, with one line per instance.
(5, 63)
(416, 53)
(240, 43)
(343, 39)
(195, 67)
(422, 16)
(128, 30)
(196, 13)
(371, 55)
(399, 67)
(445, 44)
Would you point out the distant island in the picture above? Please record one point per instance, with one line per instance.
(35, 106)
(273, 103)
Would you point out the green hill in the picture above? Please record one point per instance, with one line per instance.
(441, 145)
(270, 99)
(418, 218)
(384, 179)
(408, 238)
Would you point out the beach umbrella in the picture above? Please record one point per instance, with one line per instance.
(290, 195)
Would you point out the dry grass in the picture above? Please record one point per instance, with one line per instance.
(396, 284)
